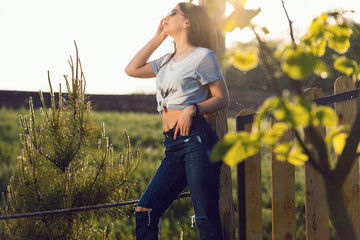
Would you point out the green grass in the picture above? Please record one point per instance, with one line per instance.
(145, 131)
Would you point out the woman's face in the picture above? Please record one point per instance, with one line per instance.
(175, 21)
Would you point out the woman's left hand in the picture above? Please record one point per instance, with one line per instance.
(184, 121)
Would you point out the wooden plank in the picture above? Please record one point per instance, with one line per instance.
(283, 196)
(252, 189)
(346, 111)
(316, 207)
(226, 203)
(219, 123)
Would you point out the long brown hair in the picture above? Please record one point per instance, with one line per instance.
(201, 32)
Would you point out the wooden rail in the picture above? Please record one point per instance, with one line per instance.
(283, 180)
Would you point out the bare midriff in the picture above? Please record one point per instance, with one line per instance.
(169, 118)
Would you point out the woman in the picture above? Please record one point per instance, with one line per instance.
(184, 80)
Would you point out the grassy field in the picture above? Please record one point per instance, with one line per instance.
(145, 131)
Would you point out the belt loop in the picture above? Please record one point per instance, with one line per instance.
(169, 133)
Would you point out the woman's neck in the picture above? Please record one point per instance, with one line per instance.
(183, 48)
(182, 43)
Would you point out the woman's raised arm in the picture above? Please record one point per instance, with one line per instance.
(138, 66)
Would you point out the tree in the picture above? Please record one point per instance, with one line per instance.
(68, 162)
(292, 110)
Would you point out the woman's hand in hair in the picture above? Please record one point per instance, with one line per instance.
(138, 66)
(160, 31)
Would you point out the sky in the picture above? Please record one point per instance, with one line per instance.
(37, 36)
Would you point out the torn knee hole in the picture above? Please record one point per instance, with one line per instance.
(142, 209)
(194, 219)
(143, 213)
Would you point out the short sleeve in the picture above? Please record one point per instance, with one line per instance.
(209, 69)
(156, 64)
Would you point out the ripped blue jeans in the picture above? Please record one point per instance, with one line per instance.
(186, 163)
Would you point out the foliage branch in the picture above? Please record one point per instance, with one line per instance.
(291, 109)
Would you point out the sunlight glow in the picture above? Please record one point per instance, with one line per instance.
(38, 36)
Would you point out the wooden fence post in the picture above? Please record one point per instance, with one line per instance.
(316, 207)
(219, 122)
(226, 198)
(346, 111)
(249, 192)
(283, 196)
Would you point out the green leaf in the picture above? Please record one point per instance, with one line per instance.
(283, 113)
(345, 65)
(292, 113)
(307, 106)
(282, 151)
(245, 60)
(248, 146)
(339, 142)
(339, 43)
(324, 116)
(236, 147)
(356, 75)
(234, 155)
(273, 135)
(339, 38)
(315, 43)
(318, 46)
(340, 30)
(318, 25)
(230, 23)
(244, 16)
(298, 64)
(266, 108)
(301, 116)
(296, 156)
(321, 69)
(223, 146)
(330, 136)
(305, 103)
(240, 18)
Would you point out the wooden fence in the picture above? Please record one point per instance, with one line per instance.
(283, 180)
